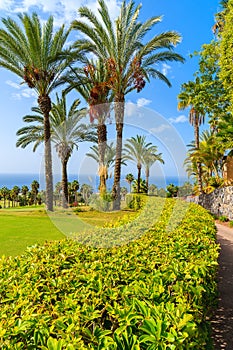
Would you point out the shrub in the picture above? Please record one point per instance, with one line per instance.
(155, 292)
(135, 201)
(231, 223)
(223, 218)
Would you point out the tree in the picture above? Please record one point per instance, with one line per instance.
(107, 162)
(67, 132)
(24, 191)
(123, 192)
(128, 56)
(190, 96)
(129, 178)
(90, 83)
(210, 154)
(74, 187)
(36, 54)
(149, 158)
(153, 190)
(172, 190)
(142, 186)
(86, 191)
(15, 194)
(5, 192)
(226, 46)
(34, 190)
(137, 150)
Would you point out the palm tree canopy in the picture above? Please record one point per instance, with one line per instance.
(191, 96)
(91, 83)
(135, 149)
(66, 127)
(34, 52)
(151, 156)
(109, 156)
(120, 46)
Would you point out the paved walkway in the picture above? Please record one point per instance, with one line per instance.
(222, 323)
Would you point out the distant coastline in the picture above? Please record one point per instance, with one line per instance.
(11, 180)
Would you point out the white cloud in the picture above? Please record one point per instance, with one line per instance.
(12, 84)
(23, 92)
(159, 129)
(5, 5)
(165, 69)
(141, 102)
(180, 119)
(64, 11)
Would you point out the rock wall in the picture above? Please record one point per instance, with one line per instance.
(219, 202)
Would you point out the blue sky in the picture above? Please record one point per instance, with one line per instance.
(168, 127)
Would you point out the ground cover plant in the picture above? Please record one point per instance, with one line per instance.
(155, 292)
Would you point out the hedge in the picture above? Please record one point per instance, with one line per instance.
(155, 292)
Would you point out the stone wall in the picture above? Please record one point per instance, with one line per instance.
(219, 202)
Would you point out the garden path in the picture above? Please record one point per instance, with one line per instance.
(222, 322)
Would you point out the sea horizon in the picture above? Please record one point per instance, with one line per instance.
(10, 180)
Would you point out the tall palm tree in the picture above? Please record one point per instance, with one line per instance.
(136, 149)
(189, 98)
(35, 190)
(90, 83)
(4, 193)
(107, 162)
(128, 57)
(129, 178)
(150, 157)
(24, 191)
(36, 53)
(66, 133)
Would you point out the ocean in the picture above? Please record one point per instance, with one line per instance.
(11, 180)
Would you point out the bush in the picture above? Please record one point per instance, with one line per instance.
(155, 292)
(223, 218)
(231, 223)
(135, 201)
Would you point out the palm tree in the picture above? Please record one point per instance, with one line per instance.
(36, 54)
(149, 158)
(67, 132)
(128, 58)
(129, 178)
(136, 150)
(4, 193)
(189, 98)
(86, 191)
(142, 186)
(107, 162)
(74, 186)
(15, 194)
(24, 191)
(90, 83)
(34, 190)
(210, 154)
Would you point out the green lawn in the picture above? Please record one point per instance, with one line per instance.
(23, 227)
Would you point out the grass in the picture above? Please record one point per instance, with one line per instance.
(21, 227)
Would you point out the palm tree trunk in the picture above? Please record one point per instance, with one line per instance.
(119, 116)
(199, 167)
(64, 183)
(45, 106)
(139, 177)
(102, 140)
(147, 178)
